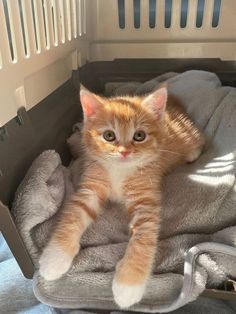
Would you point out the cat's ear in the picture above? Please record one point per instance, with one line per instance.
(156, 102)
(89, 102)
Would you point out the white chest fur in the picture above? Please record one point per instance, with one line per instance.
(118, 174)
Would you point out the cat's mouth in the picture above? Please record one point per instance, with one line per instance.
(128, 159)
(123, 159)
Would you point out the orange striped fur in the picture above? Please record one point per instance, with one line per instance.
(133, 180)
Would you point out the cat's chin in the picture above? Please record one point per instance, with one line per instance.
(124, 160)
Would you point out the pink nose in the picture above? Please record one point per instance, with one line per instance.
(125, 153)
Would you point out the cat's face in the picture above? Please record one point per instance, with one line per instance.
(124, 130)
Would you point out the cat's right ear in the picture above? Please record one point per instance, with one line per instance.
(156, 102)
(89, 103)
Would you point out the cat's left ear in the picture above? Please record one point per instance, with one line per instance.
(89, 102)
(156, 102)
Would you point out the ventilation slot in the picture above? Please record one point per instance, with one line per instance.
(216, 13)
(136, 13)
(168, 11)
(121, 13)
(184, 13)
(10, 32)
(152, 13)
(200, 12)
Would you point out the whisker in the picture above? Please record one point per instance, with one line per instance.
(169, 151)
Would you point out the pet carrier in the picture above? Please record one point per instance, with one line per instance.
(48, 47)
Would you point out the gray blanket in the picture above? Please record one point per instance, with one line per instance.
(17, 297)
(198, 232)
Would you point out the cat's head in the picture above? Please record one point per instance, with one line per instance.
(126, 130)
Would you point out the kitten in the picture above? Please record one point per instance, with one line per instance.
(130, 142)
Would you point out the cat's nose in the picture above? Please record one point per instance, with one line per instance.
(125, 153)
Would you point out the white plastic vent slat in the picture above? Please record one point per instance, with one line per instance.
(34, 29)
(55, 22)
(68, 19)
(176, 14)
(129, 14)
(4, 42)
(84, 16)
(29, 26)
(12, 41)
(208, 14)
(160, 14)
(61, 21)
(79, 9)
(144, 14)
(50, 23)
(39, 25)
(192, 14)
(74, 17)
(46, 24)
(13, 7)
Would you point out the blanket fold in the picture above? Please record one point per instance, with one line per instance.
(198, 231)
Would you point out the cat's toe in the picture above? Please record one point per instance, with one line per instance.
(127, 295)
(54, 263)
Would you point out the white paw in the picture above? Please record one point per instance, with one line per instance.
(54, 262)
(194, 155)
(127, 295)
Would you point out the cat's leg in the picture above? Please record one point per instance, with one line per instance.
(133, 271)
(77, 214)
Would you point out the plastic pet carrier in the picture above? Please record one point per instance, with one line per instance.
(49, 47)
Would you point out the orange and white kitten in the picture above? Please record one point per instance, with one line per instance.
(130, 143)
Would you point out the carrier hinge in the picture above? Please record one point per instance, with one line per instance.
(21, 116)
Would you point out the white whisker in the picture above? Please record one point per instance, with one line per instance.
(169, 151)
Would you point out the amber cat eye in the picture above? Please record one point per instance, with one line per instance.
(109, 136)
(139, 136)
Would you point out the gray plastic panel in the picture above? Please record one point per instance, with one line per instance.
(46, 126)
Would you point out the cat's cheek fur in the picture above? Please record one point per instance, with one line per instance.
(54, 262)
(126, 295)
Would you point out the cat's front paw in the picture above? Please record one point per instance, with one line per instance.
(126, 295)
(194, 155)
(54, 262)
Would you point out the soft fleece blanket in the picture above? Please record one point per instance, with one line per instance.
(198, 233)
(17, 297)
